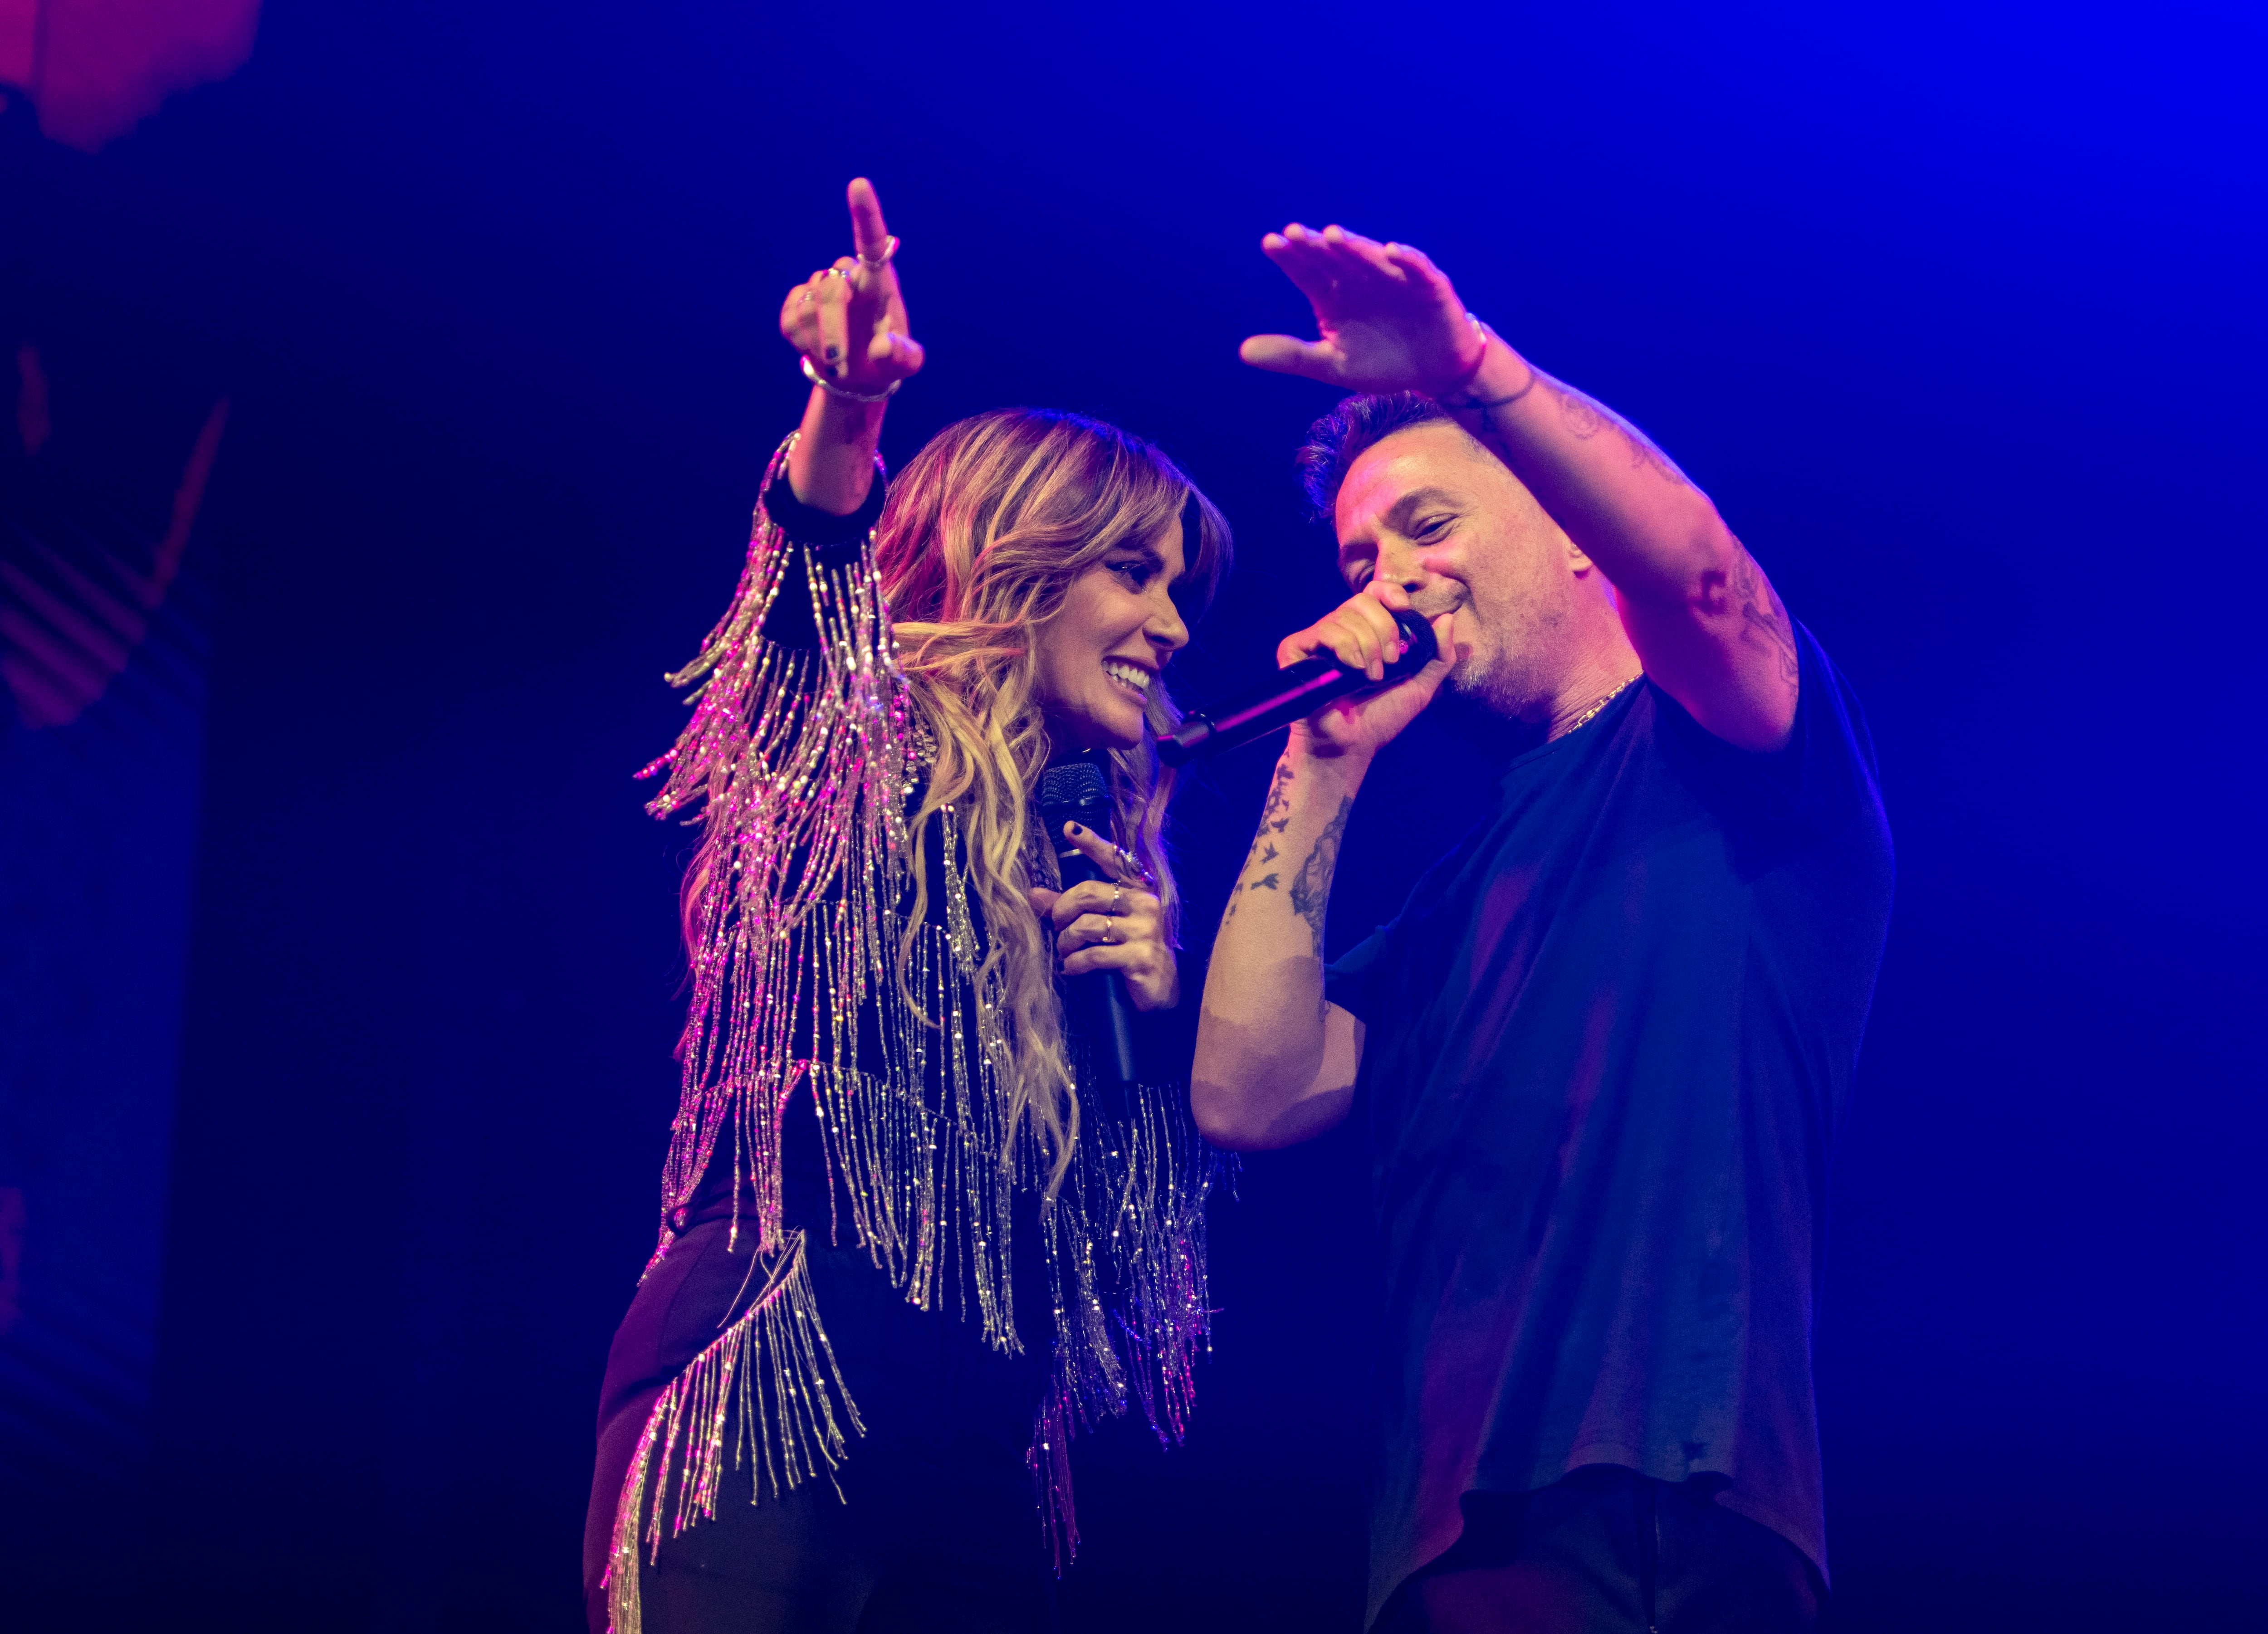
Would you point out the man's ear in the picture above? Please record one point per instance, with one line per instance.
(1589, 572)
(1578, 563)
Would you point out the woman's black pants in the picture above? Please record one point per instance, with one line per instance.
(937, 1528)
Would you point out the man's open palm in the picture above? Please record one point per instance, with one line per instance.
(1389, 319)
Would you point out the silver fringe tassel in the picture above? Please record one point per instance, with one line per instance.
(775, 1366)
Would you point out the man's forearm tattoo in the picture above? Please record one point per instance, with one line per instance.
(1586, 418)
(1763, 619)
(1311, 888)
(1274, 817)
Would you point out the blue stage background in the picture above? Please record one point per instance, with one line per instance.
(1954, 310)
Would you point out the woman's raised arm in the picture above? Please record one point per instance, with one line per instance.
(849, 321)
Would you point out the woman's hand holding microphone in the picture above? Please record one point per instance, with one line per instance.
(1112, 925)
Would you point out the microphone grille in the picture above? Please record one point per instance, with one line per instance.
(1075, 791)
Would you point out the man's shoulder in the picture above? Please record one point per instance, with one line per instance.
(1823, 779)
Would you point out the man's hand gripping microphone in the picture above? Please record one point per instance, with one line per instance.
(1292, 694)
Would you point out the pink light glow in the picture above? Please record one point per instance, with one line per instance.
(67, 633)
(95, 69)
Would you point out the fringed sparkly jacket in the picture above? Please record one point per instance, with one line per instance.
(804, 757)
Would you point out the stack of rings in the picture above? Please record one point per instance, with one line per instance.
(810, 370)
(1128, 864)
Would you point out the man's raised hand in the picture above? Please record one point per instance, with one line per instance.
(1389, 319)
(849, 319)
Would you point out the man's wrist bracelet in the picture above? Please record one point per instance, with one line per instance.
(1466, 400)
(811, 374)
(1465, 380)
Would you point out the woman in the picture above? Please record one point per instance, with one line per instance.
(907, 1245)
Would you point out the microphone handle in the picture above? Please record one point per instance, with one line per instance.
(1296, 692)
(1101, 995)
(1293, 693)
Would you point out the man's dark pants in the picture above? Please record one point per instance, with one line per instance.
(1608, 1551)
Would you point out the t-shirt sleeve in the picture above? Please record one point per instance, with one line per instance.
(1356, 981)
(1827, 773)
(1370, 977)
(1821, 781)
(836, 539)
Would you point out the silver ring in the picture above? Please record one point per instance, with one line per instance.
(1135, 869)
(1117, 896)
(889, 248)
(834, 272)
(1110, 931)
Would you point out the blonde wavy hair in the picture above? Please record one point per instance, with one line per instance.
(982, 535)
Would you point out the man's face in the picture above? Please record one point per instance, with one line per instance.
(1432, 511)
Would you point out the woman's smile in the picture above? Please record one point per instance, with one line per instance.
(1129, 675)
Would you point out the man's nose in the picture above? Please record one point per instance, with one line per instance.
(1404, 564)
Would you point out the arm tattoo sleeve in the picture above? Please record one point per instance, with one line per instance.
(1586, 418)
(1274, 817)
(1763, 620)
(1311, 888)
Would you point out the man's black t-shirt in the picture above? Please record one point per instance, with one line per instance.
(1606, 1040)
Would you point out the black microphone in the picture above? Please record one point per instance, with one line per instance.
(1076, 792)
(1290, 695)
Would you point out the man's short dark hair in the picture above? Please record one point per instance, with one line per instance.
(1340, 437)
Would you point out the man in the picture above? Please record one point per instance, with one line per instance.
(1601, 1051)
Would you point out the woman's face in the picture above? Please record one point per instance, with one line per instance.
(1097, 659)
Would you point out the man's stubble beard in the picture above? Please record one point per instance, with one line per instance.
(1490, 689)
(1506, 685)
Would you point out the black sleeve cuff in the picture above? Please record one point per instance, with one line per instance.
(833, 539)
(822, 530)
